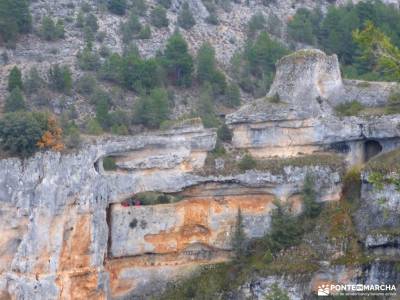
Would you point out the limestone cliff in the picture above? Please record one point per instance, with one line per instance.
(69, 234)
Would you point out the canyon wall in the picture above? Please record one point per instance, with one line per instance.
(70, 233)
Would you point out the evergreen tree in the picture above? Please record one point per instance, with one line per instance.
(139, 7)
(93, 127)
(50, 30)
(177, 61)
(152, 110)
(206, 108)
(207, 71)
(14, 79)
(111, 70)
(34, 82)
(88, 59)
(239, 237)
(378, 50)
(205, 63)
(224, 133)
(130, 28)
(165, 3)
(285, 230)
(159, 17)
(117, 7)
(20, 132)
(91, 22)
(185, 17)
(300, 27)
(60, 79)
(232, 96)
(102, 115)
(311, 207)
(15, 101)
(257, 22)
(15, 18)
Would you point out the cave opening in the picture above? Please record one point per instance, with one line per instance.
(371, 149)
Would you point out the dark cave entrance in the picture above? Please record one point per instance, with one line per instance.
(371, 149)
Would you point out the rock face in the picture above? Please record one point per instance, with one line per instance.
(297, 116)
(68, 234)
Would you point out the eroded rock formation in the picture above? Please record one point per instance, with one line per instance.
(66, 233)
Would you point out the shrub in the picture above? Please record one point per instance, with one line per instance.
(86, 85)
(165, 3)
(52, 137)
(224, 133)
(212, 19)
(275, 293)
(88, 60)
(158, 17)
(185, 17)
(117, 7)
(393, 105)
(14, 79)
(352, 185)
(109, 163)
(60, 79)
(72, 136)
(50, 30)
(130, 28)
(247, 163)
(352, 108)
(139, 7)
(93, 127)
(145, 33)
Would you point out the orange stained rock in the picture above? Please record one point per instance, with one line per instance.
(80, 285)
(76, 248)
(196, 214)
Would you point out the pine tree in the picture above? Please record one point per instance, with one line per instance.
(19, 133)
(14, 79)
(206, 107)
(60, 79)
(185, 17)
(34, 82)
(205, 62)
(177, 61)
(117, 7)
(152, 110)
(311, 207)
(158, 17)
(15, 18)
(15, 101)
(239, 237)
